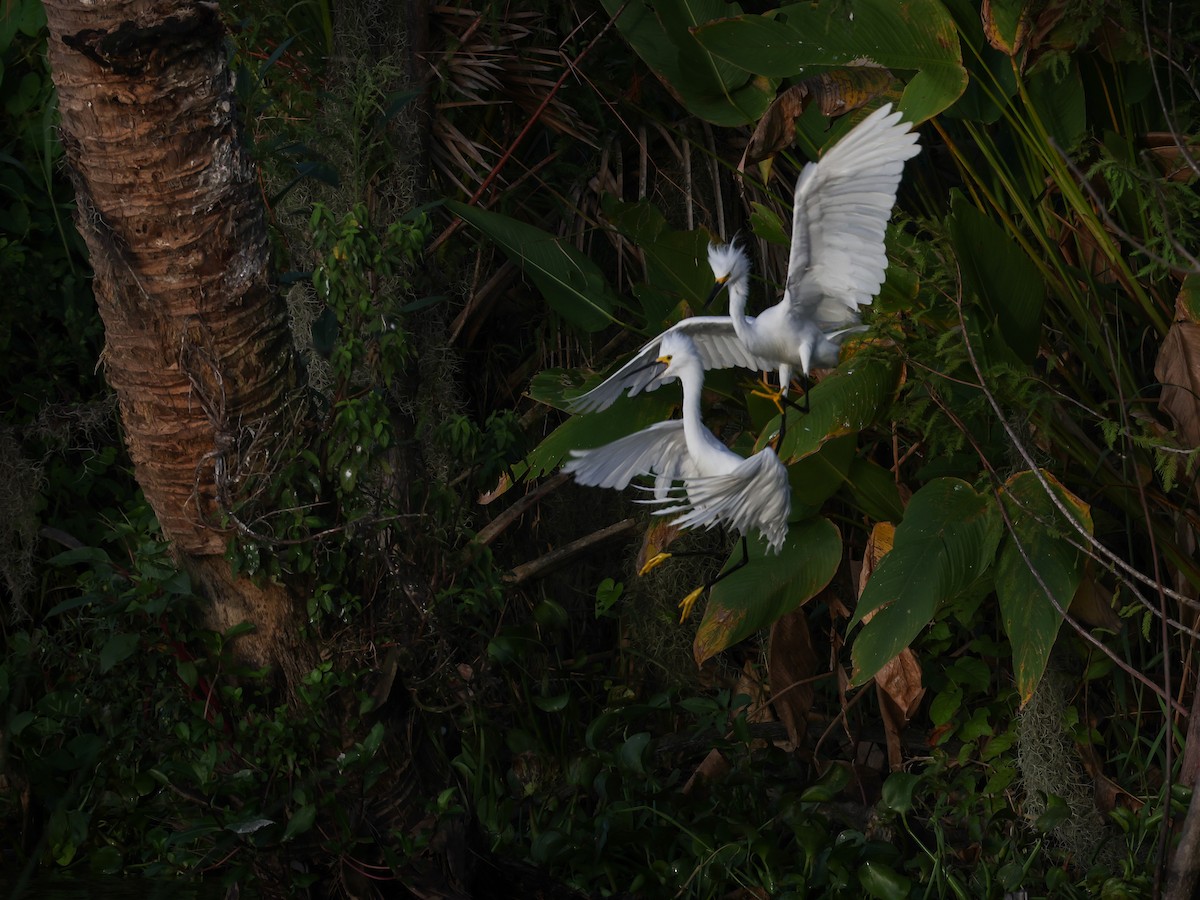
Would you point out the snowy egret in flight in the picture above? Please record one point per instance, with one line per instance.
(838, 259)
(719, 486)
(836, 265)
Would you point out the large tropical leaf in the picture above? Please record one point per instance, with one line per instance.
(571, 283)
(768, 586)
(1049, 563)
(944, 545)
(997, 271)
(710, 87)
(914, 35)
(846, 401)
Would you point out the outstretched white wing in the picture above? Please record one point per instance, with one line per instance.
(839, 215)
(754, 496)
(716, 344)
(659, 450)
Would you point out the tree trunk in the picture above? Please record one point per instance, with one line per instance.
(197, 343)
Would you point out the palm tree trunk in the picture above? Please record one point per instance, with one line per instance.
(197, 343)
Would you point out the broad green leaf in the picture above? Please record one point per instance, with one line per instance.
(882, 882)
(676, 261)
(1060, 104)
(820, 475)
(116, 649)
(831, 783)
(571, 283)
(554, 387)
(632, 754)
(875, 491)
(848, 400)
(913, 35)
(997, 271)
(768, 586)
(301, 821)
(945, 543)
(710, 87)
(80, 554)
(1030, 618)
(627, 415)
(767, 225)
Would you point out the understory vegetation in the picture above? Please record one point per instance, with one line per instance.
(969, 673)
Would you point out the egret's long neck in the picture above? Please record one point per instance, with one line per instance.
(705, 449)
(739, 290)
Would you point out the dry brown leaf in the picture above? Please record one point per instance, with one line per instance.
(883, 535)
(1174, 157)
(835, 92)
(712, 767)
(1178, 370)
(1092, 605)
(791, 660)
(899, 688)
(750, 683)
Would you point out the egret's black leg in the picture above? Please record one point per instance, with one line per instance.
(686, 604)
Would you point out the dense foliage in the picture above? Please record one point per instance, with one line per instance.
(993, 495)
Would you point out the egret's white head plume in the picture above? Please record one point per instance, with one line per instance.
(728, 262)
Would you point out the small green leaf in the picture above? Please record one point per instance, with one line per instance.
(116, 649)
(301, 821)
(187, 672)
(882, 881)
(767, 225)
(831, 783)
(631, 756)
(552, 704)
(898, 790)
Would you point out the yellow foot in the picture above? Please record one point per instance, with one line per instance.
(654, 562)
(686, 604)
(769, 393)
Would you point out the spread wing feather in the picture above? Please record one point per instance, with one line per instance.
(659, 450)
(753, 497)
(839, 217)
(716, 343)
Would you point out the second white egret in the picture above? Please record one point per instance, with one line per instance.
(720, 487)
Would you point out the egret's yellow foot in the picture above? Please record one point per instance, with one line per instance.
(686, 604)
(769, 393)
(654, 562)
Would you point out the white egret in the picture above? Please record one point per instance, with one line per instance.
(719, 486)
(838, 259)
(837, 262)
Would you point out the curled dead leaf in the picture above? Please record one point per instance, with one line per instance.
(835, 92)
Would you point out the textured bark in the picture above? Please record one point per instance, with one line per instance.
(197, 344)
